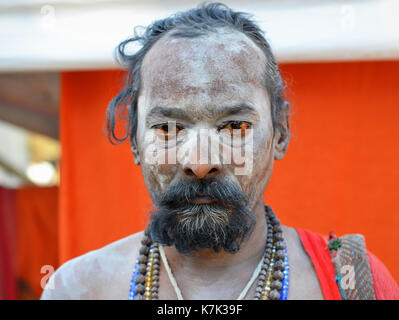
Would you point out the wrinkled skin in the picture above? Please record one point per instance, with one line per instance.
(198, 75)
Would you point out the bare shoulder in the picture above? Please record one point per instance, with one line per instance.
(104, 273)
(304, 283)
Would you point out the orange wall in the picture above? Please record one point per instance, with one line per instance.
(340, 172)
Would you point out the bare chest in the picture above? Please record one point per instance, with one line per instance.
(303, 285)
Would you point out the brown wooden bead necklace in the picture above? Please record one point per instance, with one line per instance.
(270, 276)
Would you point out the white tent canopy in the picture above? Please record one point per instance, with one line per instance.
(43, 35)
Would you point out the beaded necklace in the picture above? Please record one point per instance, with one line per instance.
(273, 278)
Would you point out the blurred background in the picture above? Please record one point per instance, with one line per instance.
(65, 190)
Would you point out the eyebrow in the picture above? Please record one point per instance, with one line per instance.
(233, 110)
(215, 112)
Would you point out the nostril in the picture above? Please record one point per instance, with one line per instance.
(213, 170)
(201, 170)
(189, 172)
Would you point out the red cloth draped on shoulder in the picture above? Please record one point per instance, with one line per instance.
(385, 286)
(316, 247)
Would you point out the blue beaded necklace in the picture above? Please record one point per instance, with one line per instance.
(285, 283)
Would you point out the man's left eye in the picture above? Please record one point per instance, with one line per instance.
(236, 125)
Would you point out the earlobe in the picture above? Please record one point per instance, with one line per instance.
(136, 161)
(280, 144)
(136, 155)
(281, 138)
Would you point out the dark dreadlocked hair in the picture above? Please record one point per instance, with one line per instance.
(206, 18)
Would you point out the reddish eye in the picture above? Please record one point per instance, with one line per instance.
(237, 125)
(167, 130)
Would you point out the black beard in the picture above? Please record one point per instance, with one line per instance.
(222, 224)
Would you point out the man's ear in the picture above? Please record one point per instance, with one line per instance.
(135, 151)
(281, 139)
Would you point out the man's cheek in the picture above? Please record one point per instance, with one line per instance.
(257, 166)
(160, 176)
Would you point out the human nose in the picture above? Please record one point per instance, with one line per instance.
(201, 170)
(203, 162)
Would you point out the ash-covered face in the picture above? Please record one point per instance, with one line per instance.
(210, 86)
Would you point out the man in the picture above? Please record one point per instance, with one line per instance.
(207, 118)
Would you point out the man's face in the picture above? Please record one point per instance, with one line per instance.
(195, 95)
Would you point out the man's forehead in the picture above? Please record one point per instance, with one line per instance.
(207, 65)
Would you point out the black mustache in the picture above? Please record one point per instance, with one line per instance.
(227, 193)
(166, 228)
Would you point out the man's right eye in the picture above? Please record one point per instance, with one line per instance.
(167, 130)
